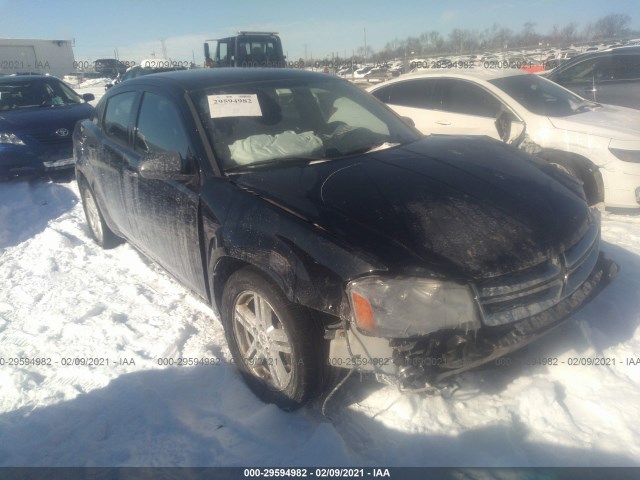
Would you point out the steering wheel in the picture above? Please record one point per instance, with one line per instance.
(345, 138)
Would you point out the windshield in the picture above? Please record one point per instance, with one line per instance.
(269, 123)
(542, 96)
(34, 93)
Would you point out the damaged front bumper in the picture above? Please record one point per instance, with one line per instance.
(429, 359)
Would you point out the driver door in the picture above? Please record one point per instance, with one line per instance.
(164, 213)
(466, 109)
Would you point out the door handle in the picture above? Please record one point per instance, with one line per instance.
(442, 122)
(590, 90)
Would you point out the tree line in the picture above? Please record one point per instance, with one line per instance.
(610, 28)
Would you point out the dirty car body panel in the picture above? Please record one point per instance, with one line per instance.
(429, 254)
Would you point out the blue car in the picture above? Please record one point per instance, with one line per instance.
(37, 117)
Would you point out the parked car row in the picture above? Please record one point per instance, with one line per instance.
(327, 232)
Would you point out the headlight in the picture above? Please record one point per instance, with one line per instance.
(632, 156)
(10, 138)
(405, 307)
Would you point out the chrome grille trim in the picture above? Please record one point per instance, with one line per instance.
(580, 250)
(511, 298)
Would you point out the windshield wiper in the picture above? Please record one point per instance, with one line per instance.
(588, 105)
(371, 148)
(275, 162)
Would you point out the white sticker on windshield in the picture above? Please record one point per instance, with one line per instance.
(236, 105)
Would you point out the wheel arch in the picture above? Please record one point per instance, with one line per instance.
(587, 171)
(228, 265)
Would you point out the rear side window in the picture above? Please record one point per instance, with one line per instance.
(160, 127)
(117, 116)
(410, 93)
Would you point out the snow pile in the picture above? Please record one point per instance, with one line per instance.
(81, 82)
(95, 82)
(102, 322)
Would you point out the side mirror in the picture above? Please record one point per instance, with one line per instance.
(503, 125)
(87, 97)
(162, 166)
(409, 121)
(510, 129)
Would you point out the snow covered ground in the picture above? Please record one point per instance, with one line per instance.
(63, 301)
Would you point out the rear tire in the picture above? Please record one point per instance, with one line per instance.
(100, 232)
(277, 346)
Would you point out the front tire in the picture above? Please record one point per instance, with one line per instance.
(276, 344)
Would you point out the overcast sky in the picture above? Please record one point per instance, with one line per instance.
(135, 27)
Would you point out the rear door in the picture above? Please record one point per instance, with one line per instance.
(112, 154)
(164, 213)
(413, 99)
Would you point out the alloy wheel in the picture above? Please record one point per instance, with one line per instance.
(262, 340)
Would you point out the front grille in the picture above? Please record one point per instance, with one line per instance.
(510, 298)
(49, 137)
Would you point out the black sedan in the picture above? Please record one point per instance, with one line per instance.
(37, 116)
(607, 76)
(327, 232)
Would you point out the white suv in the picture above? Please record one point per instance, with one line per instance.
(599, 144)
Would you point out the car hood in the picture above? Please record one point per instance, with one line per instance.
(607, 121)
(44, 118)
(469, 206)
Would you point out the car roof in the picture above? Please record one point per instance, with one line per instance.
(474, 73)
(620, 50)
(197, 79)
(12, 78)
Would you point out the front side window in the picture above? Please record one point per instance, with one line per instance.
(459, 96)
(160, 127)
(223, 52)
(117, 116)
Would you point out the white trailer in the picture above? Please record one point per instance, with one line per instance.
(54, 57)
